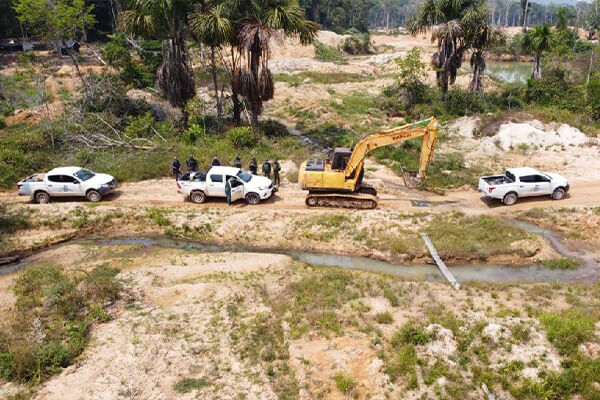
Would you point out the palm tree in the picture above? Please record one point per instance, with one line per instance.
(259, 22)
(537, 41)
(166, 20)
(444, 19)
(213, 28)
(480, 35)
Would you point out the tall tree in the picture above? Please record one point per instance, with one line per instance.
(261, 22)
(166, 20)
(443, 18)
(213, 28)
(480, 35)
(538, 41)
(55, 21)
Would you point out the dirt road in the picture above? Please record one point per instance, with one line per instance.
(392, 193)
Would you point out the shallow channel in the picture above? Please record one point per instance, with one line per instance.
(587, 272)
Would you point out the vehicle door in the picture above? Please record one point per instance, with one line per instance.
(62, 186)
(237, 188)
(544, 185)
(215, 185)
(531, 185)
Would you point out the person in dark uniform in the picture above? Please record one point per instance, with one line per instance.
(176, 166)
(237, 162)
(266, 169)
(276, 170)
(215, 162)
(228, 191)
(192, 164)
(253, 167)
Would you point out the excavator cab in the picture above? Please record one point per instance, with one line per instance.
(339, 158)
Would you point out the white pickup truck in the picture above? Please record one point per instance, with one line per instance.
(67, 182)
(199, 185)
(523, 182)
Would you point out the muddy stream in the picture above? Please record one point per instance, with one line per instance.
(588, 271)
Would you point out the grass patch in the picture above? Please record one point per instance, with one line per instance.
(384, 318)
(564, 263)
(568, 330)
(344, 383)
(187, 385)
(326, 78)
(455, 235)
(52, 319)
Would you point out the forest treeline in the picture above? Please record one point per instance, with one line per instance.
(336, 15)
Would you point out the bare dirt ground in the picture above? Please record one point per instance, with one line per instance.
(208, 318)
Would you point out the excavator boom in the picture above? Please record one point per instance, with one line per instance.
(426, 128)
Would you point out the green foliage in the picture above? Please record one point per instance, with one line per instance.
(63, 19)
(116, 52)
(23, 89)
(568, 330)
(2, 123)
(384, 318)
(357, 43)
(53, 315)
(410, 334)
(410, 67)
(324, 52)
(273, 128)
(562, 263)
(187, 385)
(241, 137)
(344, 383)
(554, 89)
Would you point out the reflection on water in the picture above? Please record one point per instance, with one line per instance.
(509, 71)
(505, 71)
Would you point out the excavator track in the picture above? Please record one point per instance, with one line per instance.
(364, 199)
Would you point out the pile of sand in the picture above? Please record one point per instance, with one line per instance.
(536, 134)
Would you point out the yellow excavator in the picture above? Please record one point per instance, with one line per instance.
(337, 180)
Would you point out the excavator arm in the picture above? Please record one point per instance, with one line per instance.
(426, 128)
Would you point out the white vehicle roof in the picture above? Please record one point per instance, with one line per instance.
(225, 170)
(64, 171)
(523, 171)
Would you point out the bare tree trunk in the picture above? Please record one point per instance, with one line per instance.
(587, 81)
(537, 67)
(213, 63)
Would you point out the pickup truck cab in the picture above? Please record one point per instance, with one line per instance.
(199, 185)
(523, 182)
(67, 182)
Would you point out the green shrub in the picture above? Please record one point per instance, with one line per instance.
(568, 330)
(241, 137)
(384, 318)
(562, 263)
(136, 76)
(325, 52)
(192, 134)
(116, 52)
(344, 383)
(272, 128)
(410, 333)
(53, 314)
(358, 43)
(2, 123)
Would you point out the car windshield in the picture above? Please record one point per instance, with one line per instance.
(84, 174)
(243, 175)
(546, 175)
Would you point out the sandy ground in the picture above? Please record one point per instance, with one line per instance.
(175, 322)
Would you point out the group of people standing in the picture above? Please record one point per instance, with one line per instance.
(267, 167)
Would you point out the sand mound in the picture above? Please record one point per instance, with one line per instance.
(536, 134)
(464, 126)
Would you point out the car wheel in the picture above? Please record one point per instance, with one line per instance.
(42, 198)
(198, 197)
(559, 194)
(510, 199)
(93, 196)
(252, 198)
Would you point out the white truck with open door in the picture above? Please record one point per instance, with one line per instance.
(199, 185)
